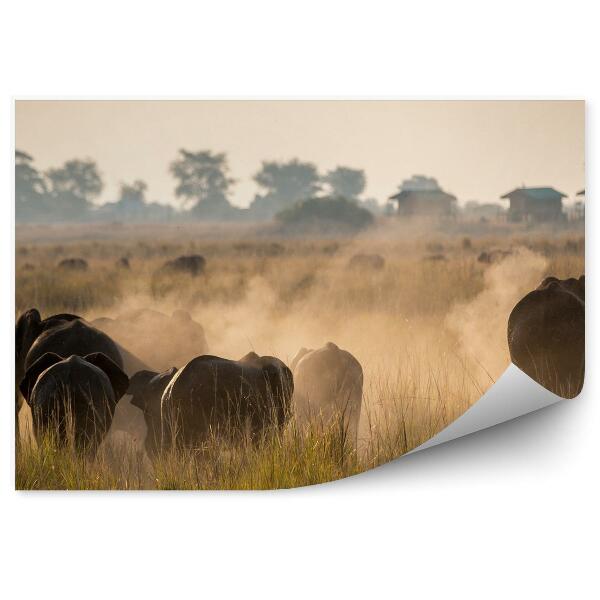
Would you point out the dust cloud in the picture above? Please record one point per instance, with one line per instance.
(480, 324)
(389, 319)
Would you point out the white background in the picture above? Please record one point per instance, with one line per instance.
(507, 513)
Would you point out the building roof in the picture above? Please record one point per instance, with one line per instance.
(537, 193)
(429, 193)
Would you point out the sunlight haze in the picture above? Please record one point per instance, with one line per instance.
(477, 150)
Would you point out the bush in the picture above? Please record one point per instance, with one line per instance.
(324, 215)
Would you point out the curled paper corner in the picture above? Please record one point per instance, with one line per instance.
(513, 395)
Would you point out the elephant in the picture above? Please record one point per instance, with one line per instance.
(546, 335)
(374, 262)
(158, 339)
(212, 395)
(73, 264)
(65, 334)
(328, 386)
(73, 396)
(123, 263)
(193, 265)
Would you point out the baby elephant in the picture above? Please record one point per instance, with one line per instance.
(75, 398)
(328, 385)
(212, 395)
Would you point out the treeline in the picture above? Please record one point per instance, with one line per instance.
(203, 188)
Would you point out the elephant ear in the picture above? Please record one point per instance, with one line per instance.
(29, 326)
(118, 380)
(35, 370)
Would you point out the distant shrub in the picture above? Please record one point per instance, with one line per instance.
(323, 215)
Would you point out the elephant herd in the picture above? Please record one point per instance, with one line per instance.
(193, 264)
(74, 375)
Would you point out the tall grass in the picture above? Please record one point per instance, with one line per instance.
(398, 414)
(288, 458)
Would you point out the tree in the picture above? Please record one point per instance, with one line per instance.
(73, 187)
(134, 195)
(346, 182)
(30, 189)
(332, 214)
(131, 204)
(203, 183)
(284, 184)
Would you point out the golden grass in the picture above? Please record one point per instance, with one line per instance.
(430, 335)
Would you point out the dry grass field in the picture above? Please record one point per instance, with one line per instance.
(429, 330)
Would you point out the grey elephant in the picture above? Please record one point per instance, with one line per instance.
(65, 335)
(74, 396)
(212, 395)
(328, 387)
(546, 335)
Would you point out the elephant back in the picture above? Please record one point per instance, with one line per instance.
(74, 337)
(546, 336)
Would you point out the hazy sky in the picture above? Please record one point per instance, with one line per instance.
(477, 149)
